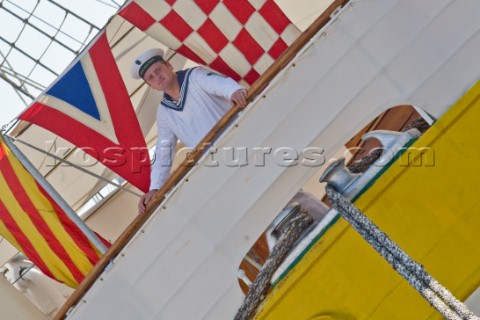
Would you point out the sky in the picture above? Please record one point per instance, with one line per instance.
(50, 17)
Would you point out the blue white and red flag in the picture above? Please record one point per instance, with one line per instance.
(90, 107)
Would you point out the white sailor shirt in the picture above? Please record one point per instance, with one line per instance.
(204, 98)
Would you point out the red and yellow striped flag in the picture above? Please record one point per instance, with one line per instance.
(32, 222)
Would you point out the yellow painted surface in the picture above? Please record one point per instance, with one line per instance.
(428, 202)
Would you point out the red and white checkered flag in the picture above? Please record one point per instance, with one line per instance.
(238, 38)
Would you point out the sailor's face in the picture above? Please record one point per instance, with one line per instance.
(160, 76)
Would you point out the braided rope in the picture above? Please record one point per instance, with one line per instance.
(437, 295)
(292, 232)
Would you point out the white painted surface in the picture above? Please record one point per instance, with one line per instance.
(375, 55)
(13, 305)
(473, 302)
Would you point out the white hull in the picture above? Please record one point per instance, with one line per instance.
(374, 55)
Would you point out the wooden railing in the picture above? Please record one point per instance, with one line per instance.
(195, 155)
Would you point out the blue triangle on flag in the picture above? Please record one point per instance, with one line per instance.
(74, 89)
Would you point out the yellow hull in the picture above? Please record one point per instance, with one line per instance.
(427, 202)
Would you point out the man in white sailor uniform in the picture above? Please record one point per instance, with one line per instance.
(193, 102)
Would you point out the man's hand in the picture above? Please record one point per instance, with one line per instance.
(142, 204)
(239, 97)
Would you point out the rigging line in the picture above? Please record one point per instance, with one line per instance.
(50, 25)
(47, 47)
(30, 14)
(7, 127)
(108, 4)
(7, 69)
(65, 155)
(75, 15)
(6, 66)
(126, 34)
(77, 167)
(91, 34)
(32, 83)
(17, 87)
(67, 12)
(13, 45)
(29, 23)
(118, 4)
(122, 37)
(53, 39)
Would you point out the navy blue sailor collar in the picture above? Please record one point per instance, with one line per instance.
(182, 78)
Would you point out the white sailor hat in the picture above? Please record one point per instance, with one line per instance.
(144, 61)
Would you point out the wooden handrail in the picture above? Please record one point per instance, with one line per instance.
(194, 156)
